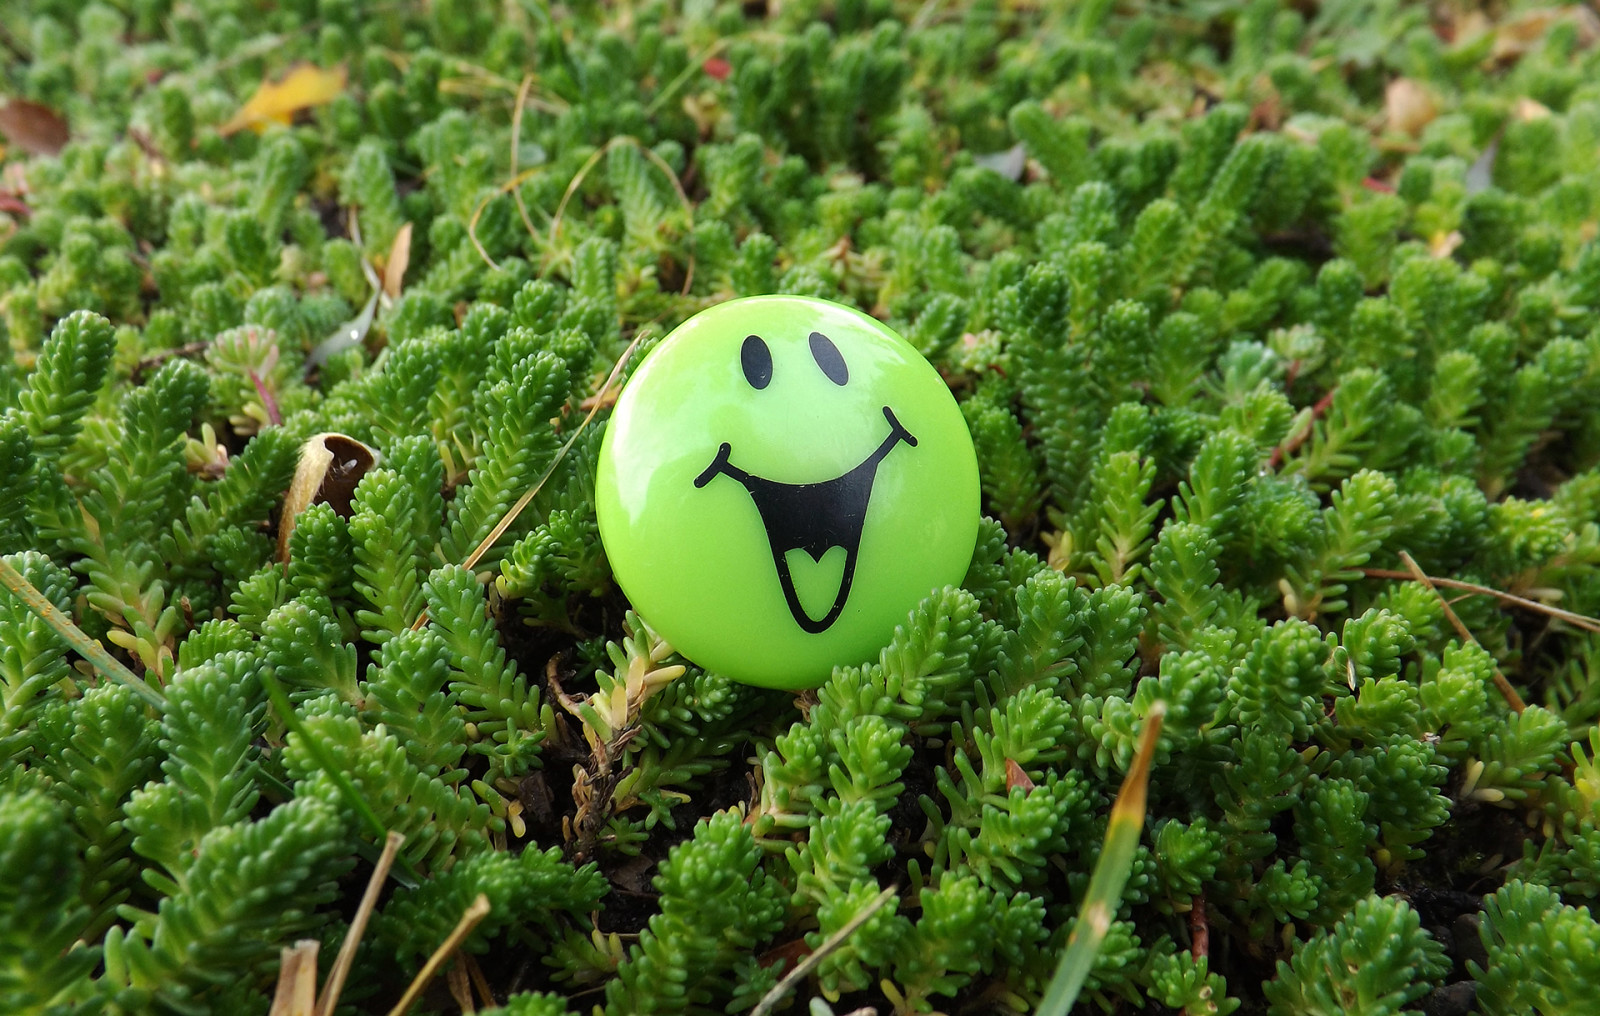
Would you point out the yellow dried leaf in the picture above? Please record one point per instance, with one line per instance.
(394, 268)
(1408, 106)
(305, 85)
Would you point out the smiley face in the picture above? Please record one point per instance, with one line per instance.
(782, 481)
(809, 517)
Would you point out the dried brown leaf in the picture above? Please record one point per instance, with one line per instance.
(305, 86)
(1519, 35)
(1408, 107)
(330, 467)
(34, 128)
(297, 980)
(394, 268)
(1016, 777)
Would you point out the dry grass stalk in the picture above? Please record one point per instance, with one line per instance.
(1509, 693)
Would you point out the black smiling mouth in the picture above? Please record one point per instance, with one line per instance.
(813, 517)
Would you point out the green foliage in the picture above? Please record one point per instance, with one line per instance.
(98, 750)
(67, 377)
(1373, 962)
(32, 655)
(439, 822)
(1223, 360)
(717, 903)
(250, 883)
(388, 561)
(494, 698)
(1539, 953)
(40, 913)
(214, 712)
(524, 892)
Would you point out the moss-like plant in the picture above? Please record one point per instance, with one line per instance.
(1277, 331)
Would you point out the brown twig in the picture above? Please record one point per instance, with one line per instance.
(1576, 620)
(771, 999)
(358, 925)
(1199, 930)
(479, 982)
(455, 978)
(469, 920)
(1500, 682)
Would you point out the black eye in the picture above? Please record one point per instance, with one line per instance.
(827, 356)
(756, 359)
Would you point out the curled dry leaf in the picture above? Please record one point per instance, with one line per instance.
(305, 85)
(330, 467)
(34, 128)
(1408, 107)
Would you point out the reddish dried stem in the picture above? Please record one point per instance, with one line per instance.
(1199, 930)
(1293, 444)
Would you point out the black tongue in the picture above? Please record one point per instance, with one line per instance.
(813, 518)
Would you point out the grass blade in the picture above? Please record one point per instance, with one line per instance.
(87, 647)
(1110, 875)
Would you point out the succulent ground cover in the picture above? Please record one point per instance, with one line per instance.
(1275, 327)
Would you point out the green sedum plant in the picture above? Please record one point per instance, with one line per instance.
(1277, 331)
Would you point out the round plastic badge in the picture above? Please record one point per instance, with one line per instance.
(783, 479)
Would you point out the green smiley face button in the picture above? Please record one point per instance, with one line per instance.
(782, 481)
